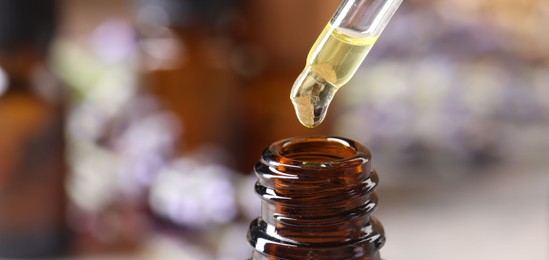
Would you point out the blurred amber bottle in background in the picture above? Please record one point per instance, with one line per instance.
(186, 65)
(225, 68)
(32, 167)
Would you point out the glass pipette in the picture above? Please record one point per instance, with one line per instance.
(337, 54)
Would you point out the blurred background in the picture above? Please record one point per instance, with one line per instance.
(129, 128)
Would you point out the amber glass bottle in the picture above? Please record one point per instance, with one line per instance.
(317, 196)
(192, 77)
(31, 135)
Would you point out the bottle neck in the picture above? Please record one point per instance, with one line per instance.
(19, 67)
(317, 196)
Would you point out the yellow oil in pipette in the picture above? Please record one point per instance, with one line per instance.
(337, 54)
(331, 63)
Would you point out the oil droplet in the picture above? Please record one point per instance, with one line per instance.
(311, 96)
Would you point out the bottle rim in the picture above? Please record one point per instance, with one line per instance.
(320, 151)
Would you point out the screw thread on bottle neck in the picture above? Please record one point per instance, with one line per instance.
(317, 196)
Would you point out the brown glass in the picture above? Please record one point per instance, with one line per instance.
(317, 196)
(32, 156)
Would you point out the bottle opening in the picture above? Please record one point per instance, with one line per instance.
(318, 150)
